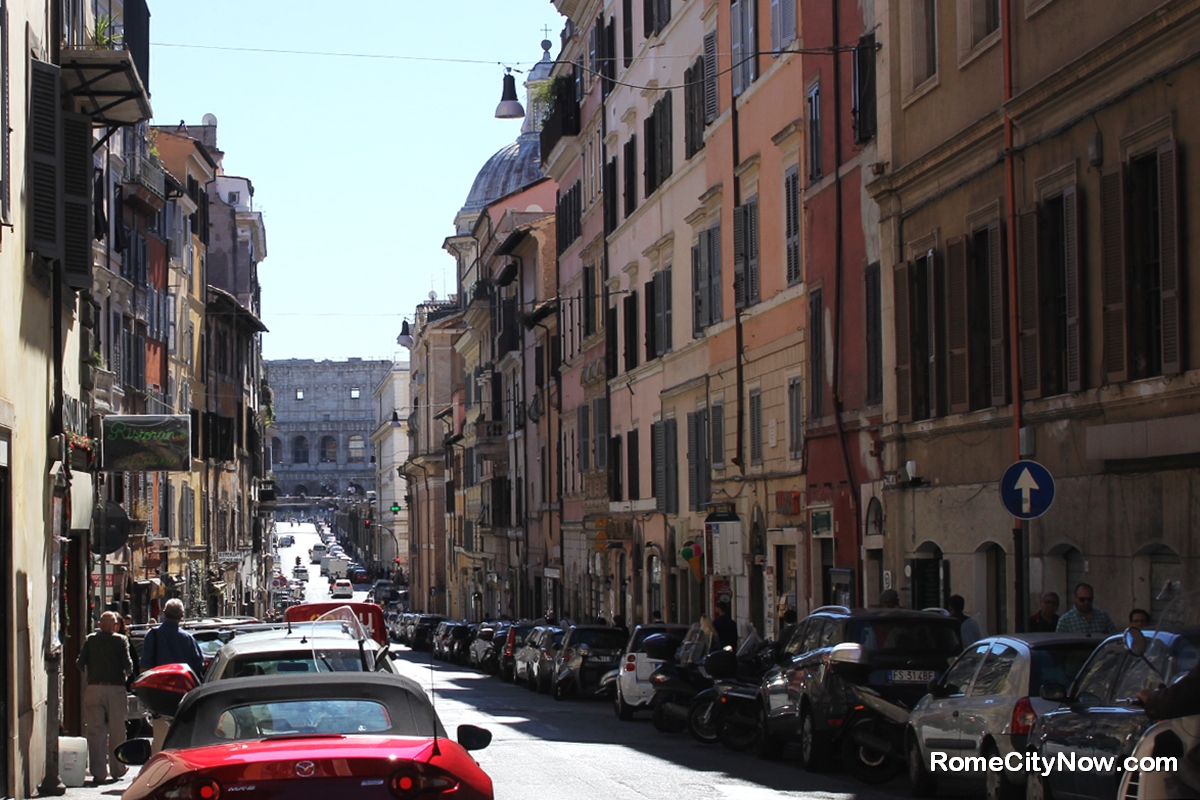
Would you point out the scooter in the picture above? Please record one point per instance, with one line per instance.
(1156, 779)
(735, 719)
(873, 737)
(678, 680)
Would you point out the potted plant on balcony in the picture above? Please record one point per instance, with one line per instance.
(107, 36)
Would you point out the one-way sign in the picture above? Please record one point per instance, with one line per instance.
(1027, 489)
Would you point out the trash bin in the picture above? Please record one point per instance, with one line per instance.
(72, 759)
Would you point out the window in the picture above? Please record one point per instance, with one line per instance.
(600, 432)
(589, 301)
(783, 23)
(711, 104)
(975, 322)
(656, 13)
(756, 427)
(795, 419)
(568, 215)
(328, 453)
(864, 89)
(300, 450)
(584, 440)
(235, 198)
(791, 223)
(665, 457)
(744, 44)
(924, 41)
(612, 357)
(299, 394)
(706, 280)
(745, 254)
(919, 370)
(627, 32)
(631, 198)
(658, 132)
(616, 490)
(874, 335)
(357, 448)
(658, 315)
(816, 351)
(814, 132)
(717, 428)
(354, 393)
(699, 468)
(610, 195)
(276, 450)
(634, 465)
(630, 307)
(693, 108)
(985, 19)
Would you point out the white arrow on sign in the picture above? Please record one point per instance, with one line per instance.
(1025, 484)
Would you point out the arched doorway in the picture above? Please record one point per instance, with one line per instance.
(276, 450)
(929, 578)
(300, 450)
(328, 450)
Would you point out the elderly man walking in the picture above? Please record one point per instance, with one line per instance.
(167, 644)
(105, 659)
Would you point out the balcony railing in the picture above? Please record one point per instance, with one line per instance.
(563, 119)
(145, 170)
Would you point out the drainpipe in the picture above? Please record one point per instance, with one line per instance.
(1020, 529)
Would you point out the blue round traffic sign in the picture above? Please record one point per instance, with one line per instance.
(1027, 489)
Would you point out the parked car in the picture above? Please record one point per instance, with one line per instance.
(342, 588)
(422, 631)
(530, 653)
(986, 704)
(480, 644)
(506, 655)
(802, 700)
(460, 643)
(1096, 717)
(490, 660)
(588, 652)
(634, 689)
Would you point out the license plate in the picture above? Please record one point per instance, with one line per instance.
(911, 675)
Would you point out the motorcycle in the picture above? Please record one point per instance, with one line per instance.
(1171, 738)
(872, 739)
(735, 714)
(679, 680)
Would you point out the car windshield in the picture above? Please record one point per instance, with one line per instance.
(320, 717)
(907, 637)
(296, 662)
(1057, 663)
(600, 639)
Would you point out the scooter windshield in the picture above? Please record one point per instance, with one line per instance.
(350, 625)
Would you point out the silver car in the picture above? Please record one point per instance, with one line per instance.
(985, 704)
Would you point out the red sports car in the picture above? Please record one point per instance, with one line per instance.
(358, 735)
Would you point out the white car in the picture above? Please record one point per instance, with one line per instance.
(342, 588)
(634, 689)
(300, 574)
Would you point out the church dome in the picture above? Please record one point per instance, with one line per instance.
(512, 168)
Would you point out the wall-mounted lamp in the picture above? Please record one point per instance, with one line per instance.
(910, 469)
(510, 107)
(405, 338)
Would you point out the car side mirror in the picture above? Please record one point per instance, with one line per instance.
(1053, 691)
(473, 738)
(134, 752)
(1135, 642)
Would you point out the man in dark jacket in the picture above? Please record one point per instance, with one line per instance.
(167, 644)
(725, 627)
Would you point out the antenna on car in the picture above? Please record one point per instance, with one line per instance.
(432, 699)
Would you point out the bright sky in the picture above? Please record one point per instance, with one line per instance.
(359, 164)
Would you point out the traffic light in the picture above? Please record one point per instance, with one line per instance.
(395, 508)
(367, 523)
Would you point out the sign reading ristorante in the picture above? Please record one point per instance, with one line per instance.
(147, 442)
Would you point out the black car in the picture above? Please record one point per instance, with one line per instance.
(422, 631)
(587, 653)
(1097, 717)
(802, 700)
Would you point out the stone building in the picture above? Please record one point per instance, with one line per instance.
(325, 413)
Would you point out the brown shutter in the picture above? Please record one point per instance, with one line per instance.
(650, 302)
(937, 336)
(1113, 251)
(997, 316)
(902, 310)
(1168, 231)
(739, 256)
(1074, 293)
(77, 168)
(959, 372)
(1028, 305)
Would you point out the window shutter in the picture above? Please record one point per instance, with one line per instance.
(1113, 252)
(1074, 294)
(172, 328)
(611, 356)
(735, 45)
(714, 274)
(650, 175)
(936, 336)
(874, 331)
(698, 315)
(791, 201)
(630, 176)
(631, 328)
(689, 110)
(600, 432)
(660, 337)
(693, 456)
(752, 252)
(756, 433)
(651, 303)
(665, 297)
(776, 25)
(539, 366)
(584, 442)
(671, 440)
(658, 433)
(750, 48)
(717, 429)
(633, 469)
(45, 183)
(627, 31)
(664, 15)
(711, 107)
(1168, 249)
(816, 351)
(77, 169)
(959, 367)
(705, 460)
(739, 257)
(614, 468)
(610, 195)
(997, 316)
(666, 131)
(1028, 303)
(5, 121)
(787, 18)
(795, 418)
(902, 315)
(648, 17)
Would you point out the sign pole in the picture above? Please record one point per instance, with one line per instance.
(1020, 582)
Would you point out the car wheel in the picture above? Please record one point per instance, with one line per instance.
(770, 748)
(1036, 788)
(814, 751)
(920, 779)
(623, 709)
(866, 763)
(736, 730)
(998, 785)
(531, 680)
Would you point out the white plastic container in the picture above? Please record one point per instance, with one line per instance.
(72, 759)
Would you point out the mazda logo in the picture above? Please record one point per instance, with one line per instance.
(305, 769)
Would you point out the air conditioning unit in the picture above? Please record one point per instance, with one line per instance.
(787, 503)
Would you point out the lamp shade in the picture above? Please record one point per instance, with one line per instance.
(405, 338)
(510, 107)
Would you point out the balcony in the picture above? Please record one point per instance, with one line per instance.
(563, 118)
(144, 173)
(106, 393)
(490, 439)
(106, 71)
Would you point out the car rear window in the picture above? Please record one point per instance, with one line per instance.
(292, 717)
(907, 637)
(600, 640)
(1057, 663)
(293, 663)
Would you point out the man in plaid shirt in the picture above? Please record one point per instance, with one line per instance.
(1083, 618)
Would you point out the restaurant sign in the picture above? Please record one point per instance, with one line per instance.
(147, 442)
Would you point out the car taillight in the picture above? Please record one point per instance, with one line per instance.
(420, 780)
(204, 789)
(630, 666)
(568, 654)
(1023, 717)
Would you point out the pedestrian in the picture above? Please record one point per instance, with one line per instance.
(104, 658)
(123, 626)
(656, 617)
(1046, 619)
(1085, 617)
(1140, 618)
(167, 644)
(724, 625)
(889, 598)
(969, 629)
